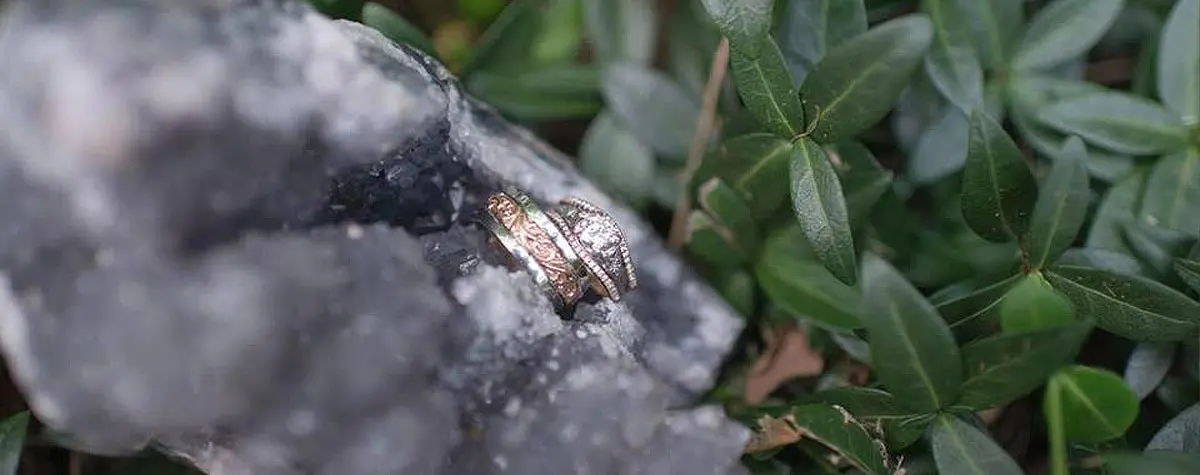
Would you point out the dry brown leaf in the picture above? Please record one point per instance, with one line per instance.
(773, 432)
(787, 356)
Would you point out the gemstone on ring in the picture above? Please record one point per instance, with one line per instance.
(601, 245)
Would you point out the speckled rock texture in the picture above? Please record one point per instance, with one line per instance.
(242, 233)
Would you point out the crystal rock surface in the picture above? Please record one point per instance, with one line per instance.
(241, 233)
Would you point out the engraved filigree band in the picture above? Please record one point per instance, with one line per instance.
(566, 249)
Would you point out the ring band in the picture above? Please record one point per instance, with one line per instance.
(567, 249)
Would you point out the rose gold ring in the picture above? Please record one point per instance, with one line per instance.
(567, 249)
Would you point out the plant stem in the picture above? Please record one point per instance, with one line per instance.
(704, 126)
(1057, 435)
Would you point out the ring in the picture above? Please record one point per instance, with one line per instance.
(568, 249)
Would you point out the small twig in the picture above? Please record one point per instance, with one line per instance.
(704, 128)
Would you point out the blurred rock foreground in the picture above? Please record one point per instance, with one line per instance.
(241, 233)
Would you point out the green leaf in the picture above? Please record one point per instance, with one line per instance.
(395, 27)
(613, 158)
(507, 43)
(1152, 462)
(874, 407)
(692, 39)
(724, 204)
(951, 63)
(968, 307)
(1033, 305)
(1157, 248)
(541, 93)
(713, 243)
(998, 191)
(821, 209)
(1133, 307)
(996, 25)
(858, 82)
(1179, 61)
(753, 165)
(1063, 30)
(1003, 368)
(1147, 366)
(961, 449)
(1172, 198)
(12, 441)
(942, 148)
(1111, 261)
(621, 30)
(745, 22)
(669, 125)
(843, 434)
(792, 278)
(561, 34)
(811, 28)
(1180, 434)
(1119, 204)
(914, 352)
(1189, 271)
(765, 84)
(1119, 122)
(1061, 207)
(863, 180)
(1096, 404)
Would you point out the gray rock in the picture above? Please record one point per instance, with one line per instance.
(242, 233)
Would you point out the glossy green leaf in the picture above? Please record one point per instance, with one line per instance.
(914, 352)
(794, 280)
(1147, 366)
(997, 25)
(621, 30)
(1003, 368)
(1061, 207)
(713, 243)
(858, 82)
(669, 125)
(1096, 405)
(723, 203)
(616, 161)
(970, 308)
(942, 148)
(1172, 198)
(507, 43)
(562, 32)
(1111, 261)
(811, 28)
(395, 27)
(821, 209)
(1179, 61)
(1152, 462)
(1063, 30)
(842, 434)
(753, 164)
(1133, 307)
(1119, 204)
(951, 63)
(876, 408)
(745, 22)
(1180, 434)
(1189, 271)
(766, 86)
(1157, 248)
(1117, 121)
(998, 191)
(547, 92)
(863, 179)
(1033, 304)
(961, 449)
(12, 441)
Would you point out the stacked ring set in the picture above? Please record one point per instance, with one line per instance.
(567, 249)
